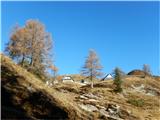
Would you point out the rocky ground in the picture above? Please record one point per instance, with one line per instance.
(25, 96)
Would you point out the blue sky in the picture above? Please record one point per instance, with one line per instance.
(124, 34)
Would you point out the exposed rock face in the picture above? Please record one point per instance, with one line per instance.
(147, 91)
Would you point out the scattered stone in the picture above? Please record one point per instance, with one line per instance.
(49, 84)
(150, 94)
(89, 107)
(128, 111)
(147, 91)
(93, 100)
(138, 88)
(83, 84)
(64, 91)
(153, 92)
(83, 97)
(113, 109)
(106, 114)
(90, 95)
(30, 88)
(100, 107)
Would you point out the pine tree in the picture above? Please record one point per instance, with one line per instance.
(117, 80)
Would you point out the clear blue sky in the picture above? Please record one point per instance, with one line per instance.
(124, 34)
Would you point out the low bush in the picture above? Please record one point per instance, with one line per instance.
(136, 102)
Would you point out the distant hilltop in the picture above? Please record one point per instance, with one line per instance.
(137, 72)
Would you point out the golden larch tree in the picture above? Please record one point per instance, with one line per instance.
(92, 67)
(55, 71)
(31, 44)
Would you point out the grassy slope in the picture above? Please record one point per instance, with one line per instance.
(148, 107)
(66, 96)
(62, 100)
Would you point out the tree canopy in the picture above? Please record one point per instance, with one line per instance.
(31, 45)
(92, 67)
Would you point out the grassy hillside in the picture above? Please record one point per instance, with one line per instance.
(25, 96)
(23, 93)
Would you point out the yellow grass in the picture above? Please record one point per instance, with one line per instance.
(66, 95)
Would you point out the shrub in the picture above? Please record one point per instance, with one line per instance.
(136, 102)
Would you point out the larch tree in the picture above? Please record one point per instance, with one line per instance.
(55, 71)
(33, 44)
(146, 69)
(147, 72)
(16, 46)
(92, 67)
(40, 44)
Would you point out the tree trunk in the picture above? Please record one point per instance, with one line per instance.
(32, 60)
(92, 84)
(22, 60)
(91, 81)
(54, 75)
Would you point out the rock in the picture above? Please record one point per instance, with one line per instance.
(93, 100)
(83, 84)
(138, 88)
(100, 107)
(128, 111)
(111, 111)
(49, 84)
(64, 91)
(89, 107)
(83, 97)
(150, 94)
(106, 114)
(30, 89)
(147, 91)
(90, 95)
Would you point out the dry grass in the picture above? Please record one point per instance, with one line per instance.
(62, 100)
(66, 95)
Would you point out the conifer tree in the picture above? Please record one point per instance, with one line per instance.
(117, 80)
(31, 44)
(92, 67)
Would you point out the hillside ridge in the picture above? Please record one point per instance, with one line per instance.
(26, 96)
